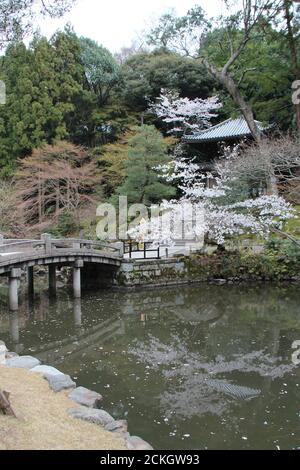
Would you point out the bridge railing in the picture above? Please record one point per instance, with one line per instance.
(18, 246)
(49, 245)
(77, 244)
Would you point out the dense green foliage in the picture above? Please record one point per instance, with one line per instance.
(145, 74)
(280, 261)
(142, 184)
(42, 83)
(72, 88)
(264, 73)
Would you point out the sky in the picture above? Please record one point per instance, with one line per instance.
(116, 23)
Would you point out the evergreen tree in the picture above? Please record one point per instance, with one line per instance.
(42, 83)
(99, 116)
(142, 184)
(146, 73)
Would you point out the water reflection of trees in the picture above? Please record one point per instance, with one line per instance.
(203, 342)
(197, 385)
(209, 302)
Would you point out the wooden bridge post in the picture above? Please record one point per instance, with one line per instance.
(14, 277)
(52, 280)
(77, 278)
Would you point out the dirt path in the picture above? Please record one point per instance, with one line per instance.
(43, 422)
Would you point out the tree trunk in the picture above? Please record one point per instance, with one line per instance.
(57, 197)
(288, 4)
(40, 202)
(227, 81)
(5, 406)
(298, 118)
(272, 186)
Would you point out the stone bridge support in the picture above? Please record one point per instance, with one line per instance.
(18, 255)
(14, 278)
(77, 278)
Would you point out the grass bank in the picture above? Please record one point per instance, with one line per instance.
(42, 418)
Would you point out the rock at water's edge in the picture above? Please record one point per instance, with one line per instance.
(85, 397)
(119, 426)
(92, 415)
(10, 354)
(46, 370)
(136, 443)
(60, 382)
(3, 352)
(23, 362)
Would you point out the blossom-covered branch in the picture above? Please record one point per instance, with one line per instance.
(183, 114)
(206, 212)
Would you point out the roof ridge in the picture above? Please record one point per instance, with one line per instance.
(230, 128)
(213, 127)
(220, 124)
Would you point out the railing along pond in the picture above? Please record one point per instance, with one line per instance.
(145, 248)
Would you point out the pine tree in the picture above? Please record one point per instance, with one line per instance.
(147, 150)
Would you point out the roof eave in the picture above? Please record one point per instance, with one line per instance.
(215, 139)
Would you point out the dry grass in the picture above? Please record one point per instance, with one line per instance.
(42, 420)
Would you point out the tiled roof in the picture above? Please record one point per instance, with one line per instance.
(232, 128)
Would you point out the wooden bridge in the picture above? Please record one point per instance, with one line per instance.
(22, 255)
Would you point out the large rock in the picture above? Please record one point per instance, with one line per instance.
(86, 397)
(136, 443)
(11, 354)
(23, 362)
(46, 370)
(119, 426)
(100, 417)
(60, 382)
(3, 352)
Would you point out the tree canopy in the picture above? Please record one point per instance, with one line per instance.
(17, 17)
(147, 150)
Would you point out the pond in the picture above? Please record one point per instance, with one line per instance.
(203, 367)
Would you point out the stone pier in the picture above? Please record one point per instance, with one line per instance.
(21, 255)
(77, 278)
(14, 277)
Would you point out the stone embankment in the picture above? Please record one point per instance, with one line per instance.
(219, 268)
(87, 403)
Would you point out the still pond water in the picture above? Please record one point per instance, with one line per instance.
(189, 368)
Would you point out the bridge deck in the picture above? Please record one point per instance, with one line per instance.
(28, 253)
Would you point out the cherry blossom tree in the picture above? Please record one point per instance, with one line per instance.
(183, 114)
(271, 165)
(207, 212)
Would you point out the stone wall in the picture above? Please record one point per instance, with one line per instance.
(218, 267)
(135, 273)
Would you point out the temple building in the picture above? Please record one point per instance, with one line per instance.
(207, 145)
